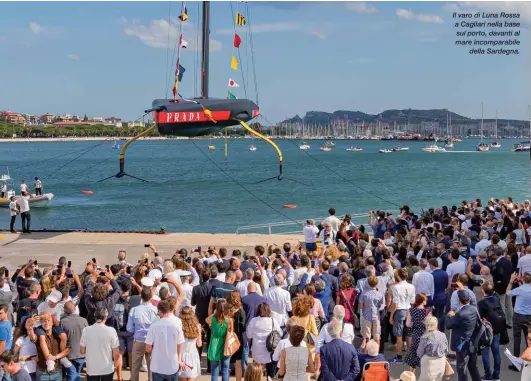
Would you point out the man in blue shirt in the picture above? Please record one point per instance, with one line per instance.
(522, 309)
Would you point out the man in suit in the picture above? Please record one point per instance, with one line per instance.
(501, 275)
(339, 360)
(463, 324)
(440, 283)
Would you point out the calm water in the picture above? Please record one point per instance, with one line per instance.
(187, 194)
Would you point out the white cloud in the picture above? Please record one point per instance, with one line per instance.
(409, 15)
(524, 7)
(157, 32)
(73, 57)
(265, 28)
(451, 7)
(35, 28)
(319, 35)
(361, 7)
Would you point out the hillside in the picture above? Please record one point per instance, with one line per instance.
(390, 116)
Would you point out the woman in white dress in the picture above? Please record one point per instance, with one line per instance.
(192, 340)
(296, 361)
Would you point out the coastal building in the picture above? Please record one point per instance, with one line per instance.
(12, 117)
(47, 118)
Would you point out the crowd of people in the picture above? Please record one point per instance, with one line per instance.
(440, 288)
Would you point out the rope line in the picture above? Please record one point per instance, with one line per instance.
(252, 53)
(243, 187)
(339, 175)
(166, 83)
(233, 16)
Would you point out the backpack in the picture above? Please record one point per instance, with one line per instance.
(273, 338)
(483, 335)
(121, 313)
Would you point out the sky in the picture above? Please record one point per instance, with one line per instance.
(113, 58)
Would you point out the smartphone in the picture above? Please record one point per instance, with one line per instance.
(6, 273)
(35, 263)
(198, 249)
(146, 261)
(156, 254)
(453, 284)
(102, 273)
(107, 268)
(93, 260)
(69, 265)
(163, 279)
(147, 245)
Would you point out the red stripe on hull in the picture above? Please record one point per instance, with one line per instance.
(189, 116)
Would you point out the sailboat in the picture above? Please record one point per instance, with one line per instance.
(449, 143)
(496, 143)
(115, 146)
(482, 147)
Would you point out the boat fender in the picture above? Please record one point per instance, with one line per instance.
(87, 192)
(289, 206)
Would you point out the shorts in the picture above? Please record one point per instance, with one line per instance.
(310, 246)
(125, 340)
(370, 329)
(399, 322)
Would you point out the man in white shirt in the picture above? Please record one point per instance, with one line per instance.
(13, 211)
(24, 209)
(423, 281)
(243, 285)
(3, 190)
(100, 346)
(38, 187)
(23, 187)
(164, 341)
(456, 267)
(310, 232)
(403, 298)
(332, 220)
(279, 300)
(483, 243)
(524, 263)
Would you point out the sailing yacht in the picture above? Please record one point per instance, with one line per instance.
(449, 143)
(304, 146)
(482, 147)
(496, 143)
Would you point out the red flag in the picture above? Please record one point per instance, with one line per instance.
(237, 41)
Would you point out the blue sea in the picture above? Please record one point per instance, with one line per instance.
(187, 192)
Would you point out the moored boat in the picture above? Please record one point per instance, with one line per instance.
(385, 150)
(355, 149)
(34, 201)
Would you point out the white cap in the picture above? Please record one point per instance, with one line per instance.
(55, 296)
(147, 282)
(183, 273)
(155, 274)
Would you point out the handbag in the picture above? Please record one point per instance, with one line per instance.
(448, 370)
(355, 320)
(232, 344)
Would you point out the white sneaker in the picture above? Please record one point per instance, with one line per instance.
(50, 365)
(65, 362)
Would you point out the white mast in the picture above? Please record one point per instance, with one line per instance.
(496, 131)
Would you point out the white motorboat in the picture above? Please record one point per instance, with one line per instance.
(495, 145)
(325, 148)
(34, 201)
(252, 148)
(385, 150)
(355, 149)
(522, 147)
(482, 147)
(400, 148)
(433, 148)
(304, 146)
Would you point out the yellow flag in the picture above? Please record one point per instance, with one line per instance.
(240, 20)
(234, 63)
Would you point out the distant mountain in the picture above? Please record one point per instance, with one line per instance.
(389, 116)
(400, 116)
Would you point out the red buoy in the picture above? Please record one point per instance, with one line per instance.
(289, 206)
(87, 192)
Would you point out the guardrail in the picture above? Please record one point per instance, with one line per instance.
(290, 227)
